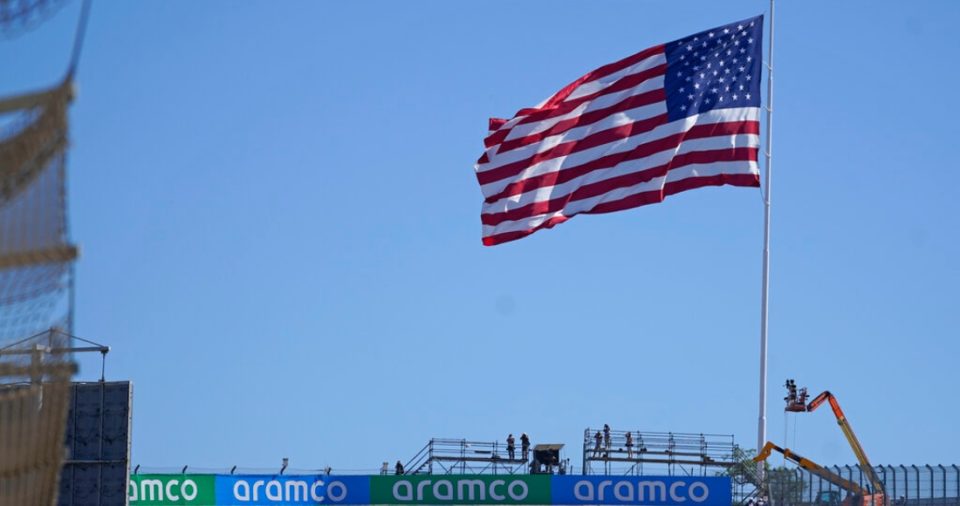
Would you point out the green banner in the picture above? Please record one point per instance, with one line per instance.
(462, 489)
(169, 489)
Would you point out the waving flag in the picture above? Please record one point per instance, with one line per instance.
(671, 118)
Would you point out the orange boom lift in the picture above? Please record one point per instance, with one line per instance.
(871, 495)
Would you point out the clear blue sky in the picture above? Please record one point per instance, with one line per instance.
(280, 232)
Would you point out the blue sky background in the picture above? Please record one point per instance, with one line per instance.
(280, 232)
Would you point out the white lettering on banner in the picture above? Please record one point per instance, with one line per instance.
(516, 496)
(651, 486)
(170, 493)
(493, 490)
(151, 490)
(620, 495)
(471, 486)
(643, 491)
(673, 491)
(337, 491)
(277, 494)
(236, 491)
(420, 487)
(155, 490)
(603, 484)
(702, 486)
(294, 488)
(286, 490)
(581, 496)
(444, 490)
(404, 497)
(443, 497)
(189, 495)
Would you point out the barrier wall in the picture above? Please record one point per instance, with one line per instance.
(235, 490)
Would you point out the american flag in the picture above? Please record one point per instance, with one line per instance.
(670, 118)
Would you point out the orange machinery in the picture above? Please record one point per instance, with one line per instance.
(871, 495)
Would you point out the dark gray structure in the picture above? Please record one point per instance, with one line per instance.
(97, 468)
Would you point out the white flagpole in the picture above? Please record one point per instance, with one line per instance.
(762, 428)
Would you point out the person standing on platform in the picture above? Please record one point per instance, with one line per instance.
(596, 449)
(524, 446)
(606, 438)
(398, 468)
(629, 445)
(510, 446)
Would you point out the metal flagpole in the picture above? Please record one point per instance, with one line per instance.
(762, 428)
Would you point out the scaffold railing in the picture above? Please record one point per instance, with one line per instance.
(462, 456)
(607, 451)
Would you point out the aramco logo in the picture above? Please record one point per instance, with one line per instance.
(463, 490)
(288, 490)
(626, 491)
(150, 490)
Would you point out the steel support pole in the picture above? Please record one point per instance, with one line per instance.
(764, 297)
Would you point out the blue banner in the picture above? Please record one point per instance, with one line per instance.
(253, 489)
(302, 490)
(647, 490)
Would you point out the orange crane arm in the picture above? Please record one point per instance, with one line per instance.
(812, 467)
(865, 466)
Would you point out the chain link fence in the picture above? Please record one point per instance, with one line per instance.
(907, 485)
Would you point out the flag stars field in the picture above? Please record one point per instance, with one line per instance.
(718, 50)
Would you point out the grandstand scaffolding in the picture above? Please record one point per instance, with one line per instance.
(671, 453)
(460, 456)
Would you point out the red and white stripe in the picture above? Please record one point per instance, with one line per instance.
(604, 143)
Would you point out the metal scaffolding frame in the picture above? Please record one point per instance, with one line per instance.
(460, 456)
(666, 452)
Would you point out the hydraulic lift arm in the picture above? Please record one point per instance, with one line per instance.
(812, 467)
(875, 482)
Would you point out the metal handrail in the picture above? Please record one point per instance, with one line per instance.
(462, 451)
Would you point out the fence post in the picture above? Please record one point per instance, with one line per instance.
(840, 474)
(893, 471)
(799, 480)
(916, 472)
(906, 482)
(883, 479)
(943, 474)
(956, 472)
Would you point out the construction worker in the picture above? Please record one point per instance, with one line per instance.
(596, 449)
(510, 446)
(629, 445)
(524, 446)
